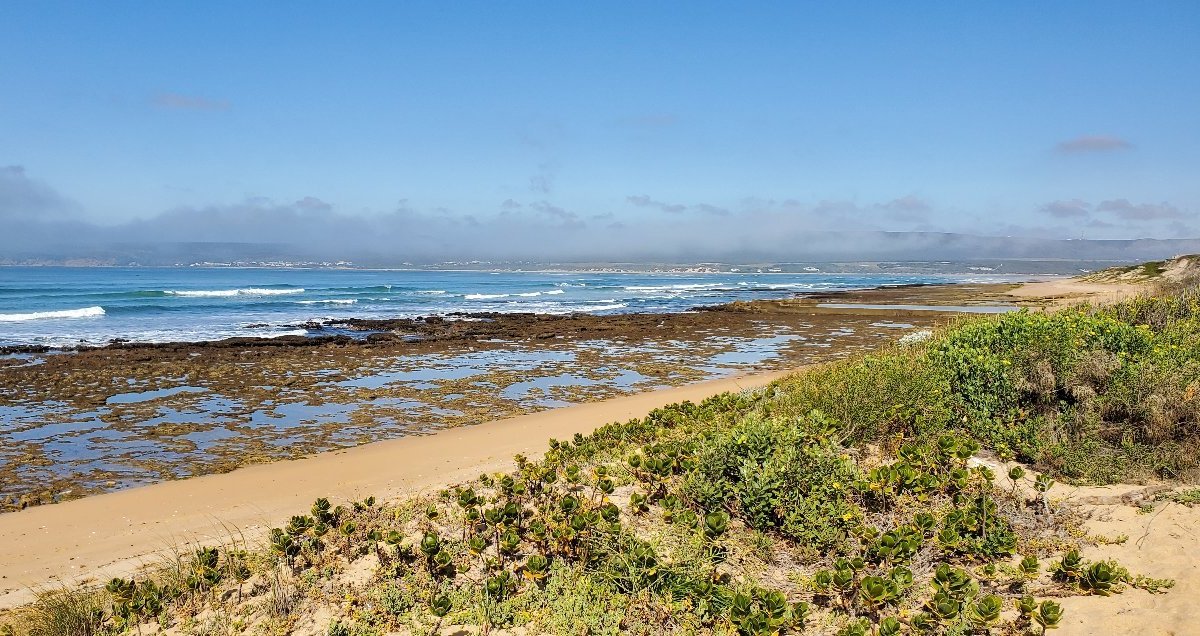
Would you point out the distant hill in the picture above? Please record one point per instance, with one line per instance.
(1173, 270)
(809, 247)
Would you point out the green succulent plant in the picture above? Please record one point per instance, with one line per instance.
(943, 608)
(569, 504)
(1101, 578)
(1029, 565)
(953, 582)
(299, 525)
(898, 545)
(537, 567)
(1048, 615)
(966, 449)
(843, 579)
(925, 521)
(509, 542)
(121, 590)
(431, 544)
(856, 564)
(985, 611)
(822, 580)
(477, 544)
(949, 537)
(923, 622)
(442, 562)
(764, 612)
(610, 512)
(889, 626)
(440, 605)
(901, 576)
(1069, 567)
(283, 544)
(321, 510)
(205, 573)
(638, 503)
(875, 592)
(715, 524)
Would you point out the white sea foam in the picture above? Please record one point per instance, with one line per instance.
(294, 332)
(533, 294)
(431, 292)
(671, 288)
(484, 296)
(224, 293)
(335, 301)
(601, 307)
(86, 312)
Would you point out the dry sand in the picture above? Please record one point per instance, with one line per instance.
(1068, 291)
(1161, 544)
(112, 534)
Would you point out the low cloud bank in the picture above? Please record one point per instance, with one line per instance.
(40, 225)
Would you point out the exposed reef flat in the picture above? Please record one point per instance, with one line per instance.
(101, 419)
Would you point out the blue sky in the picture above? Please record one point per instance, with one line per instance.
(1071, 119)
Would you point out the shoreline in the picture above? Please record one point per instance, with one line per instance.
(77, 422)
(104, 419)
(115, 533)
(431, 327)
(112, 534)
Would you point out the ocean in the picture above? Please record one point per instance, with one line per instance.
(71, 306)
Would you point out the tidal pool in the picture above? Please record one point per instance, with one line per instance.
(103, 432)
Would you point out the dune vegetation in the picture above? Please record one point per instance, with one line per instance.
(900, 492)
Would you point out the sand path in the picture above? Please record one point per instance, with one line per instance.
(113, 534)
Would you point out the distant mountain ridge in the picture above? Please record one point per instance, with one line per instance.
(825, 246)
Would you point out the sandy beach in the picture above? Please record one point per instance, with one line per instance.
(113, 534)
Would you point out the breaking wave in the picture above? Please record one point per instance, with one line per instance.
(224, 293)
(86, 312)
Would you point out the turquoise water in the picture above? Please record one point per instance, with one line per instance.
(60, 306)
